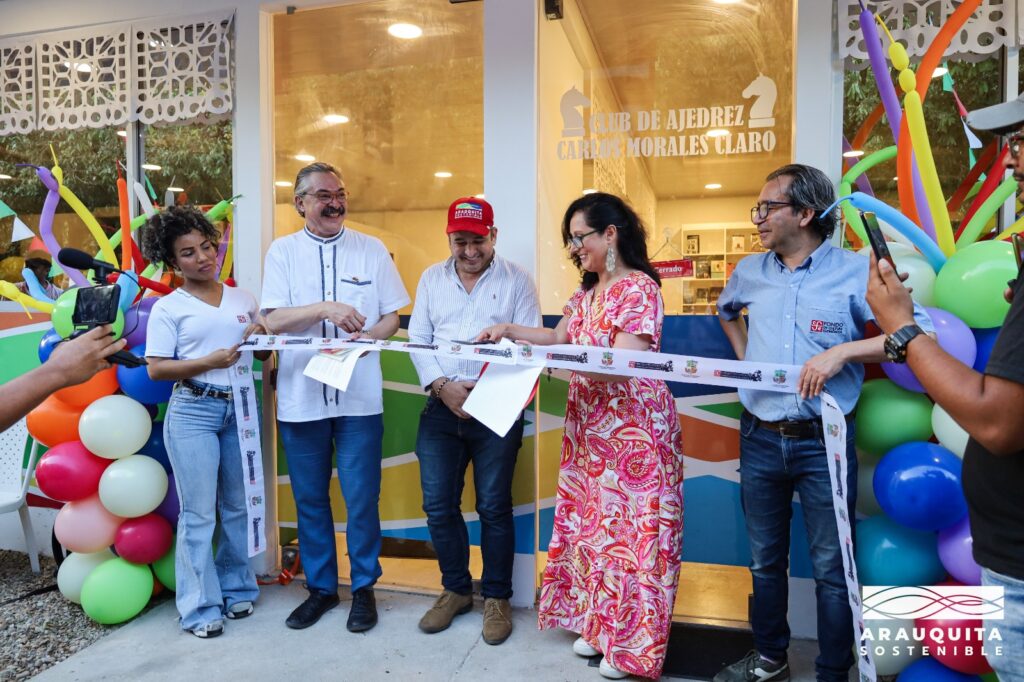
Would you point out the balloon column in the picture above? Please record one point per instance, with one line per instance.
(106, 459)
(919, 532)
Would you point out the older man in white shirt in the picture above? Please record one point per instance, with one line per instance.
(455, 299)
(330, 281)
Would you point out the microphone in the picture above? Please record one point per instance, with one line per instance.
(80, 260)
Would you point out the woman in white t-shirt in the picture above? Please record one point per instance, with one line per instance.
(192, 338)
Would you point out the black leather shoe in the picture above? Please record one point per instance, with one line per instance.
(363, 615)
(309, 611)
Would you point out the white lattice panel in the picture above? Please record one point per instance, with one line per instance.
(17, 87)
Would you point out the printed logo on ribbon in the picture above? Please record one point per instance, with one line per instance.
(606, 359)
(526, 352)
(456, 348)
(690, 368)
(242, 319)
(747, 376)
(779, 377)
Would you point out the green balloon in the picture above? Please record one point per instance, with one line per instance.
(116, 591)
(164, 567)
(64, 308)
(888, 415)
(970, 285)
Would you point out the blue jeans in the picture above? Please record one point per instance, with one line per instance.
(772, 468)
(1010, 665)
(445, 445)
(202, 444)
(308, 447)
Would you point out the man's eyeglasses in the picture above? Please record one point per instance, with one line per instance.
(1013, 142)
(325, 197)
(763, 208)
(576, 242)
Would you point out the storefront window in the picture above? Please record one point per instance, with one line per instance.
(192, 161)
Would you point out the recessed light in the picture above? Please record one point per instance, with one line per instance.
(152, 167)
(175, 189)
(283, 183)
(713, 185)
(589, 190)
(405, 31)
(939, 72)
(717, 132)
(5, 176)
(853, 153)
(335, 118)
(442, 174)
(305, 157)
(895, 178)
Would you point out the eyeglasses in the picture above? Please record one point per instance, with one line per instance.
(325, 197)
(577, 241)
(1013, 142)
(763, 208)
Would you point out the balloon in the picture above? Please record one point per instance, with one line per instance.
(75, 568)
(133, 486)
(129, 285)
(154, 447)
(46, 344)
(102, 383)
(144, 540)
(930, 670)
(135, 381)
(899, 222)
(977, 222)
(888, 415)
(971, 284)
(115, 426)
(867, 505)
(136, 319)
(894, 656)
(164, 567)
(116, 591)
(918, 485)
(914, 118)
(54, 421)
(956, 552)
(890, 554)
(953, 336)
(986, 338)
(64, 309)
(958, 636)
(35, 289)
(69, 472)
(921, 276)
(85, 525)
(949, 434)
(170, 508)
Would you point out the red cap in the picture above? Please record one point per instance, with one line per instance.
(470, 214)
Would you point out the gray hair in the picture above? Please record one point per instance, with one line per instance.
(810, 188)
(318, 167)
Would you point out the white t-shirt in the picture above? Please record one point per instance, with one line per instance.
(184, 327)
(353, 268)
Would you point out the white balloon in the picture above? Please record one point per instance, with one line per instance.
(867, 504)
(133, 486)
(75, 569)
(921, 275)
(949, 434)
(114, 426)
(907, 651)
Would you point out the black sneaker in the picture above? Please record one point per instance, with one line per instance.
(309, 611)
(754, 668)
(363, 615)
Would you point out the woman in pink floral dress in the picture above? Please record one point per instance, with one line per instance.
(613, 561)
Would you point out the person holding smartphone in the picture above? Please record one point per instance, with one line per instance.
(192, 338)
(988, 406)
(473, 289)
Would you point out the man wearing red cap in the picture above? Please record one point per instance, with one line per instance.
(455, 299)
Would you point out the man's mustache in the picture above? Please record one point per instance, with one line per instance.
(331, 211)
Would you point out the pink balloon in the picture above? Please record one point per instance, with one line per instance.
(86, 525)
(69, 472)
(145, 539)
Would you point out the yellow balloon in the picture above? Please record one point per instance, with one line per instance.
(929, 176)
(908, 81)
(898, 56)
(90, 222)
(8, 290)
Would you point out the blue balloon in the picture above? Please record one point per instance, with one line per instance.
(986, 338)
(46, 344)
(930, 670)
(135, 382)
(891, 554)
(918, 485)
(155, 448)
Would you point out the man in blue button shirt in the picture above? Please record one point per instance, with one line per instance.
(805, 301)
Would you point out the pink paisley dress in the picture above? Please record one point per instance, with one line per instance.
(613, 561)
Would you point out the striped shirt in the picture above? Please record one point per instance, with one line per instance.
(444, 311)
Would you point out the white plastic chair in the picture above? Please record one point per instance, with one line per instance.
(14, 489)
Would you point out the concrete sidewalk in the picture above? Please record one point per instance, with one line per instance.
(262, 648)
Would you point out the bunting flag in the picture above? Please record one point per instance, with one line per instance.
(5, 210)
(21, 231)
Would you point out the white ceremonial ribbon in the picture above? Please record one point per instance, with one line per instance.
(248, 424)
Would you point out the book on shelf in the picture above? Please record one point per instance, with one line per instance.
(688, 297)
(738, 243)
(729, 268)
(754, 242)
(718, 266)
(702, 295)
(702, 269)
(692, 243)
(714, 293)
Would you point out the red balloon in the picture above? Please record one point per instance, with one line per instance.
(955, 638)
(69, 472)
(143, 540)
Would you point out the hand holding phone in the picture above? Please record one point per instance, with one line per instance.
(877, 239)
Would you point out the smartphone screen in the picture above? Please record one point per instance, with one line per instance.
(876, 238)
(1018, 249)
(96, 305)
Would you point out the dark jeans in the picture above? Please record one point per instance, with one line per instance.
(772, 468)
(445, 445)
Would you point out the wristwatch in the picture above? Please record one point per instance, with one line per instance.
(896, 343)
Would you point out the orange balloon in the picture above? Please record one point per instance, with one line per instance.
(103, 383)
(54, 421)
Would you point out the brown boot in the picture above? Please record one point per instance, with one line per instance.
(444, 610)
(497, 620)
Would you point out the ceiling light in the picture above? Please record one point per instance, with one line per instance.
(405, 31)
(305, 157)
(122, 133)
(853, 153)
(82, 68)
(713, 185)
(5, 176)
(283, 183)
(442, 174)
(589, 190)
(717, 132)
(152, 167)
(895, 179)
(939, 72)
(175, 189)
(335, 118)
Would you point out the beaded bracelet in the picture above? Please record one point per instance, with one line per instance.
(437, 389)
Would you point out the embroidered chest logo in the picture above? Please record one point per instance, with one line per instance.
(826, 327)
